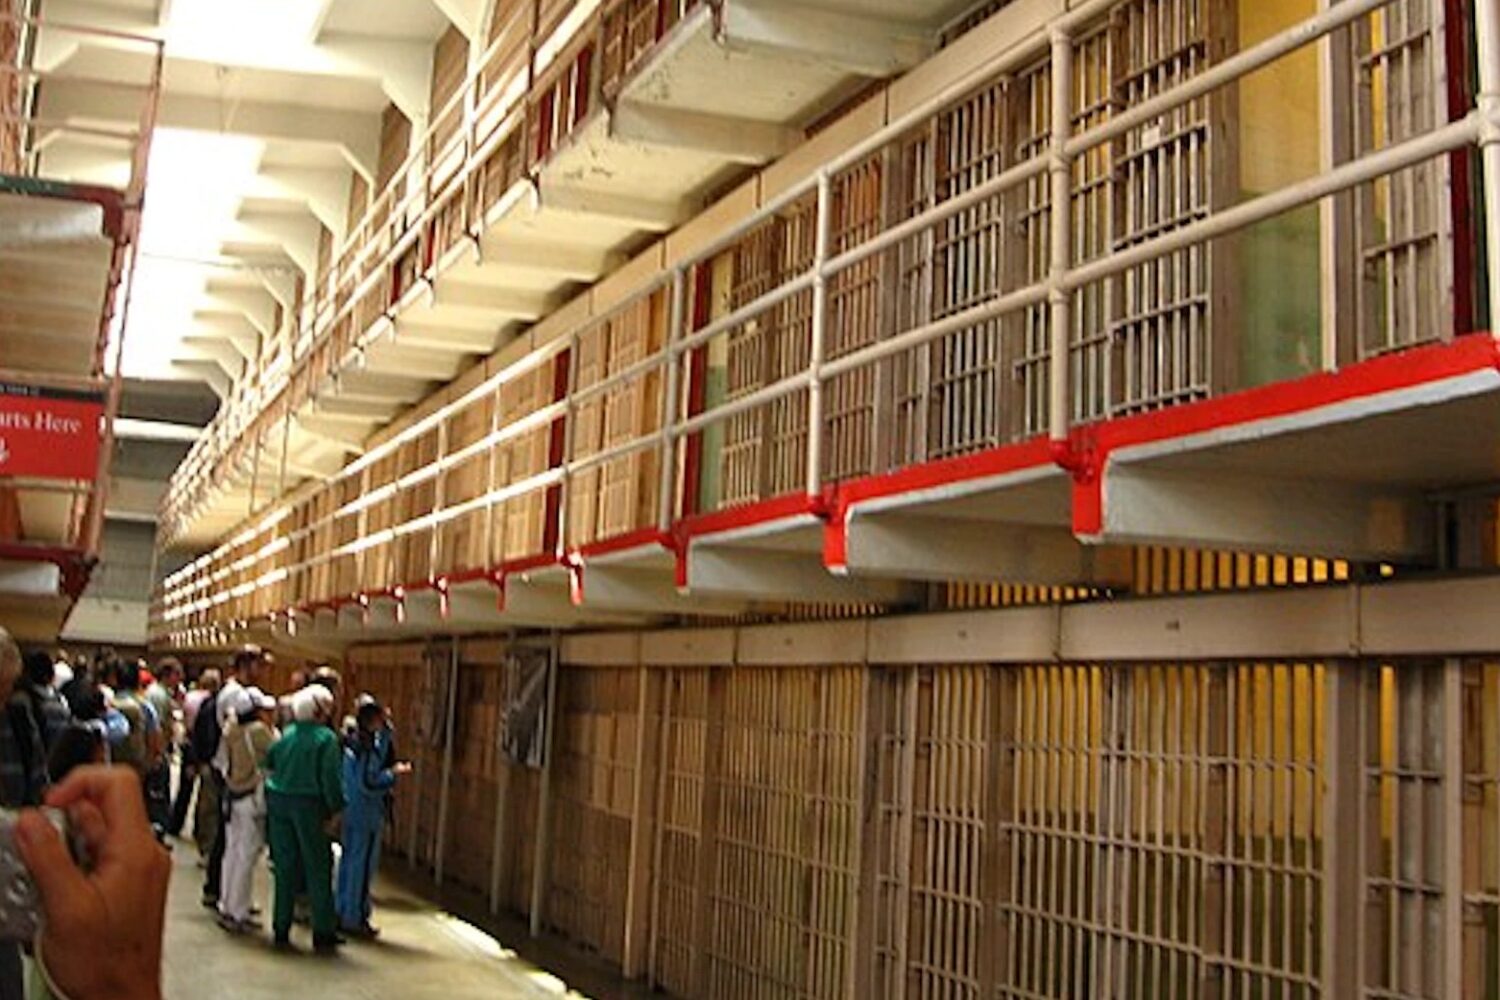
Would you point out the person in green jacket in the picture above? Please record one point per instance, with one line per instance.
(304, 798)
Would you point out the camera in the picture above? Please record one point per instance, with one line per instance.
(20, 905)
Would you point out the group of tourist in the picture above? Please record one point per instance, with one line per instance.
(291, 772)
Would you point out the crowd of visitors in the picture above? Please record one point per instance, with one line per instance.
(101, 738)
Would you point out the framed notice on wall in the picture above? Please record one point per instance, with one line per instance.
(523, 737)
(49, 433)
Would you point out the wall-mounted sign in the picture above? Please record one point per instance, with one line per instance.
(49, 433)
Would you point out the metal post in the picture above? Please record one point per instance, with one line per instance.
(1487, 39)
(677, 313)
(502, 795)
(540, 864)
(570, 428)
(1059, 298)
(439, 501)
(1452, 850)
(1344, 818)
(1336, 214)
(448, 727)
(255, 448)
(819, 336)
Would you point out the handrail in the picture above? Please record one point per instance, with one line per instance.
(1480, 126)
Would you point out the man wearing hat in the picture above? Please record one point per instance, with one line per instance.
(368, 779)
(208, 747)
(247, 738)
(304, 795)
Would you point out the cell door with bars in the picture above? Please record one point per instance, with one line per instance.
(964, 385)
(1030, 250)
(1404, 221)
(1168, 174)
(765, 447)
(854, 321)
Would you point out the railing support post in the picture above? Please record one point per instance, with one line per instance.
(1487, 39)
(818, 347)
(1345, 817)
(450, 713)
(677, 316)
(1060, 300)
(542, 857)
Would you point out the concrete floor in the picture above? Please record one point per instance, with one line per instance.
(422, 953)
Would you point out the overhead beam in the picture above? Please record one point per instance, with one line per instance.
(739, 140)
(256, 306)
(333, 432)
(232, 328)
(282, 287)
(403, 69)
(389, 389)
(645, 591)
(639, 213)
(55, 47)
(912, 547)
(399, 359)
(1220, 509)
(350, 407)
(445, 339)
(356, 134)
(767, 575)
(217, 350)
(324, 191)
(299, 236)
(569, 262)
(468, 16)
(205, 371)
(854, 43)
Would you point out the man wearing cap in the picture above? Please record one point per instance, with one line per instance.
(368, 779)
(208, 747)
(304, 797)
(247, 738)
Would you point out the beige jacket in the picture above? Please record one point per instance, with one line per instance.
(246, 746)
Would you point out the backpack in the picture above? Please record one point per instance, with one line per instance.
(133, 750)
(206, 731)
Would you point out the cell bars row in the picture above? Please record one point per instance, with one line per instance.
(513, 474)
(1185, 326)
(1179, 830)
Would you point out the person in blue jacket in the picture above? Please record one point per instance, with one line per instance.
(369, 777)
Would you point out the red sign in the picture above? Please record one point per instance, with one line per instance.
(49, 433)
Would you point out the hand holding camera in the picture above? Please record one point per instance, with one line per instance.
(116, 907)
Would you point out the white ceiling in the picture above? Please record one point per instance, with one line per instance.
(391, 20)
(269, 108)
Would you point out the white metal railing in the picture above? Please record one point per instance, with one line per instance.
(1065, 278)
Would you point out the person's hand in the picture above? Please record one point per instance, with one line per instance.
(117, 909)
(402, 767)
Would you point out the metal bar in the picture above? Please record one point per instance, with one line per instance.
(449, 720)
(1059, 296)
(817, 347)
(748, 311)
(1235, 68)
(671, 408)
(1451, 847)
(542, 856)
(1487, 41)
(1374, 165)
(919, 224)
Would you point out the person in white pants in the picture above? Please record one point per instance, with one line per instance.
(246, 739)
